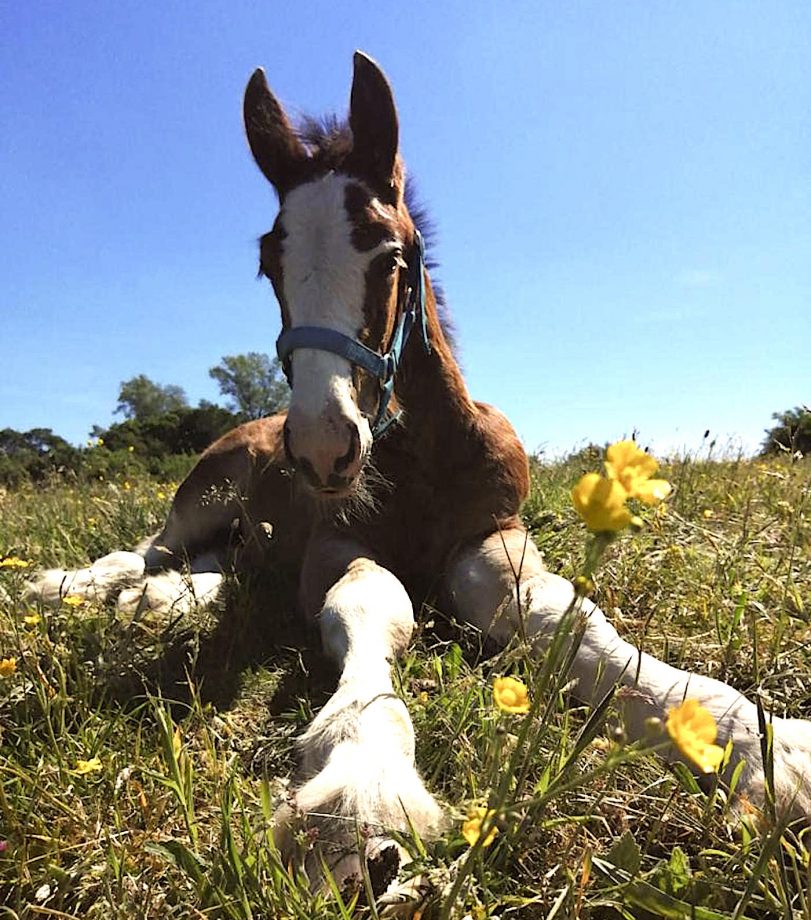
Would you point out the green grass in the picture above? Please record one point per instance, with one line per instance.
(194, 723)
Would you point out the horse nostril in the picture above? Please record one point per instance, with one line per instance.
(306, 469)
(301, 464)
(354, 450)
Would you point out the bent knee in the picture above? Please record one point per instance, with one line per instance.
(369, 605)
(483, 580)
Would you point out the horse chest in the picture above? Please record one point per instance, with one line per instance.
(421, 522)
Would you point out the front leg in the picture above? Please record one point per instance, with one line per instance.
(481, 584)
(358, 753)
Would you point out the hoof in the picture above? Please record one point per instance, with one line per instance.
(341, 854)
(791, 766)
(172, 593)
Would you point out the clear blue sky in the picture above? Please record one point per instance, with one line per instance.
(622, 192)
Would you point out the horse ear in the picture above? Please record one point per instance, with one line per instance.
(375, 131)
(275, 147)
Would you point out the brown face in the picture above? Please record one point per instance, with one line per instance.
(386, 233)
(336, 258)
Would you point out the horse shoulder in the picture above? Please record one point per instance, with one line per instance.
(505, 466)
(477, 487)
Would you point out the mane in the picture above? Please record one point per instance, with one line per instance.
(328, 140)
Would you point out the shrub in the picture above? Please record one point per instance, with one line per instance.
(791, 433)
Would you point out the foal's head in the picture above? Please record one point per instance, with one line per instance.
(338, 258)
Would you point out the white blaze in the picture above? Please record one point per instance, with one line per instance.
(324, 285)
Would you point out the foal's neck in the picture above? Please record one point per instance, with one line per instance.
(457, 460)
(431, 389)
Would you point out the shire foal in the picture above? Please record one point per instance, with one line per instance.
(375, 521)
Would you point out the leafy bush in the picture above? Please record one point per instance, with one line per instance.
(34, 454)
(791, 433)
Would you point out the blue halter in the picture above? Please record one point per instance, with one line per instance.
(384, 367)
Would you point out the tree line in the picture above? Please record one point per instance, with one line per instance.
(159, 431)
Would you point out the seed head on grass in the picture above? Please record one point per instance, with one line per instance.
(694, 731)
(583, 585)
(473, 827)
(511, 695)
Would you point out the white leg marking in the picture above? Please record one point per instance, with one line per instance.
(121, 574)
(173, 592)
(96, 582)
(484, 594)
(604, 659)
(359, 750)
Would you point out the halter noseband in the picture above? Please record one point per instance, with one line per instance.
(384, 367)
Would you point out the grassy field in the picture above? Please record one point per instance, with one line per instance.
(141, 762)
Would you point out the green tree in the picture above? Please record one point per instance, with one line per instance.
(141, 398)
(181, 431)
(35, 454)
(791, 433)
(253, 382)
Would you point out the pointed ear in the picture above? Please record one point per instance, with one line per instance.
(375, 131)
(274, 145)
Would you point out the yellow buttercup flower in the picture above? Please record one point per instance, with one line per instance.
(632, 468)
(73, 600)
(83, 767)
(601, 503)
(13, 562)
(511, 695)
(7, 666)
(600, 500)
(32, 619)
(625, 461)
(472, 828)
(694, 731)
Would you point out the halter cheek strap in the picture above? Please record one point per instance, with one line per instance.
(384, 367)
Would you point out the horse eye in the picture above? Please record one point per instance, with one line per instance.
(394, 261)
